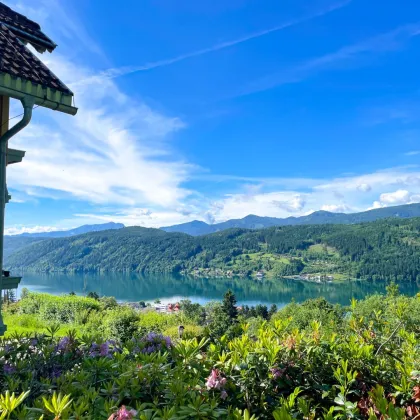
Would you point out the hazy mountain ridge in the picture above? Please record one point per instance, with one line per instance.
(72, 232)
(13, 243)
(196, 227)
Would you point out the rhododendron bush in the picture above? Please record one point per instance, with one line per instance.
(362, 363)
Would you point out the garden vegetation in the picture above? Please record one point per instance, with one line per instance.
(72, 357)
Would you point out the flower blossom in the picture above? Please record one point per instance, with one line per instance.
(416, 394)
(277, 373)
(215, 380)
(123, 414)
(106, 349)
(151, 343)
(9, 368)
(64, 344)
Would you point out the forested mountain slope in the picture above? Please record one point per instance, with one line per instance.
(388, 250)
(13, 243)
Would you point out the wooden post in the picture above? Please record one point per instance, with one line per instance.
(4, 121)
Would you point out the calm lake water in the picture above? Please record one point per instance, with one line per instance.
(169, 288)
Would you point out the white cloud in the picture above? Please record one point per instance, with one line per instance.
(364, 187)
(133, 217)
(395, 198)
(413, 153)
(296, 204)
(372, 181)
(344, 194)
(17, 230)
(376, 205)
(116, 153)
(336, 208)
(111, 152)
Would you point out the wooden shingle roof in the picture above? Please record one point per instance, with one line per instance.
(22, 73)
(27, 30)
(18, 61)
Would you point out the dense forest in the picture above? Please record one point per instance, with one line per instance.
(381, 250)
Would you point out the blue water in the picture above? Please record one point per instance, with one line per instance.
(170, 288)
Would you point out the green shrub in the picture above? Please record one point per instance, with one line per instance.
(28, 321)
(158, 322)
(108, 302)
(253, 325)
(194, 312)
(397, 309)
(302, 315)
(119, 323)
(311, 361)
(190, 331)
(62, 309)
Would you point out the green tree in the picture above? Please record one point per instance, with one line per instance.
(93, 295)
(193, 311)
(272, 310)
(229, 305)
(262, 311)
(24, 293)
(392, 289)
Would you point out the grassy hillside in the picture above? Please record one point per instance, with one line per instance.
(387, 249)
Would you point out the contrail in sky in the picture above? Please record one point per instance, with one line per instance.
(121, 71)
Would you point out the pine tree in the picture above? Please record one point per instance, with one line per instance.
(272, 310)
(229, 305)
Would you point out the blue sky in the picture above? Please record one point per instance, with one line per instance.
(213, 110)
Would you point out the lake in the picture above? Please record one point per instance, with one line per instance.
(170, 288)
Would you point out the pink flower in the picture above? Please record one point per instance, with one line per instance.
(215, 380)
(123, 414)
(223, 395)
(277, 373)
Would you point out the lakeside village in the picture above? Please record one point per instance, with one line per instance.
(171, 308)
(317, 278)
(259, 275)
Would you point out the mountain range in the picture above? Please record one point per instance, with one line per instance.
(380, 250)
(14, 243)
(196, 227)
(73, 232)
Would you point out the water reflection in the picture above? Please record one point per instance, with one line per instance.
(135, 287)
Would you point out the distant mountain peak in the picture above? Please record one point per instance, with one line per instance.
(252, 221)
(73, 232)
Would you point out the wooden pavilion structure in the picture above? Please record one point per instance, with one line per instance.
(23, 77)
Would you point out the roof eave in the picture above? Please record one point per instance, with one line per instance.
(18, 88)
(38, 43)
